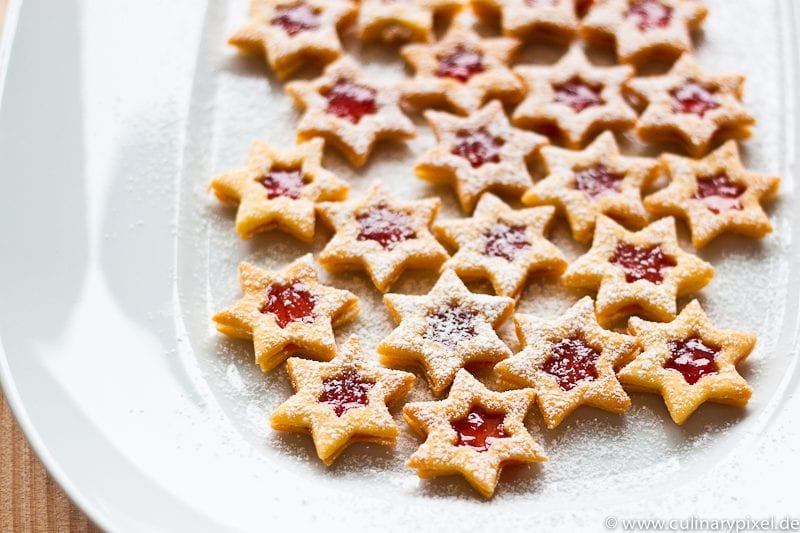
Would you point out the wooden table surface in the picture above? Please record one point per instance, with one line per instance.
(29, 499)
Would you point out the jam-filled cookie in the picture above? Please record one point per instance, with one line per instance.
(444, 330)
(350, 110)
(291, 33)
(474, 432)
(598, 180)
(279, 189)
(573, 99)
(401, 20)
(479, 153)
(549, 19)
(286, 312)
(688, 361)
(341, 402)
(382, 235)
(502, 244)
(639, 272)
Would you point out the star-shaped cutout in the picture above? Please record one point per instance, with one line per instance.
(692, 106)
(479, 153)
(344, 401)
(279, 188)
(715, 194)
(501, 244)
(644, 29)
(689, 361)
(381, 235)
(474, 432)
(444, 330)
(462, 70)
(350, 110)
(574, 99)
(594, 181)
(401, 20)
(569, 362)
(550, 19)
(286, 312)
(291, 33)
(639, 272)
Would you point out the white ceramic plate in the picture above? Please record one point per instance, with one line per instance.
(115, 115)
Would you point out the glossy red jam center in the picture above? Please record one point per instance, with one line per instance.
(385, 226)
(350, 101)
(346, 391)
(647, 262)
(480, 429)
(692, 358)
(650, 14)
(290, 303)
(286, 182)
(506, 241)
(578, 94)
(450, 326)
(460, 64)
(478, 147)
(719, 193)
(598, 181)
(572, 362)
(296, 18)
(694, 98)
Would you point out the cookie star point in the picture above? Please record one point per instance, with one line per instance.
(379, 20)
(525, 19)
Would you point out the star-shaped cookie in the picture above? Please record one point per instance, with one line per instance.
(639, 272)
(350, 110)
(382, 235)
(569, 362)
(287, 311)
(290, 33)
(341, 402)
(691, 106)
(501, 244)
(644, 29)
(463, 70)
(524, 19)
(688, 361)
(574, 99)
(715, 194)
(478, 153)
(279, 188)
(444, 330)
(597, 180)
(404, 20)
(474, 432)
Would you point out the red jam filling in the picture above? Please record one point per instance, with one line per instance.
(281, 181)
(350, 101)
(478, 147)
(598, 181)
(385, 226)
(480, 429)
(346, 391)
(296, 18)
(692, 358)
(505, 241)
(647, 263)
(450, 326)
(460, 64)
(578, 94)
(572, 362)
(694, 98)
(719, 194)
(290, 303)
(583, 6)
(650, 14)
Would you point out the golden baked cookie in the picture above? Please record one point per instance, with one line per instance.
(474, 432)
(405, 20)
(524, 19)
(688, 361)
(444, 330)
(287, 312)
(341, 402)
